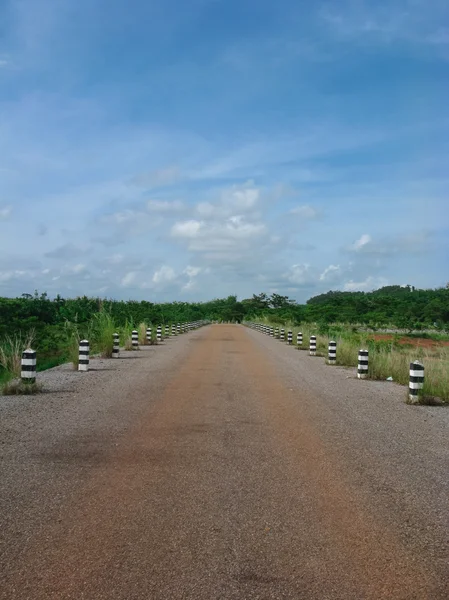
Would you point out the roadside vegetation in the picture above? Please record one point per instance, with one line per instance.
(54, 327)
(388, 358)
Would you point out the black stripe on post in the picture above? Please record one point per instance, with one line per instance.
(312, 345)
(28, 366)
(332, 353)
(362, 368)
(416, 381)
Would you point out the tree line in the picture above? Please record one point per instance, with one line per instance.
(402, 307)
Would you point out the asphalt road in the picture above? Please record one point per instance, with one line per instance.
(222, 465)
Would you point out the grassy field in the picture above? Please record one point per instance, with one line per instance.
(390, 355)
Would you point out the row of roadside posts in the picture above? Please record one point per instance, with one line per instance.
(416, 380)
(28, 366)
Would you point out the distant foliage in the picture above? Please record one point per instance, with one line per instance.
(402, 307)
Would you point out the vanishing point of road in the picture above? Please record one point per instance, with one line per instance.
(222, 465)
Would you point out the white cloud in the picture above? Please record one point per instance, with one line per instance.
(361, 242)
(305, 212)
(164, 275)
(300, 274)
(331, 273)
(187, 229)
(237, 199)
(192, 271)
(370, 283)
(241, 198)
(128, 279)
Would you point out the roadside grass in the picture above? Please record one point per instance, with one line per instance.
(387, 358)
(11, 348)
(142, 329)
(16, 387)
(101, 334)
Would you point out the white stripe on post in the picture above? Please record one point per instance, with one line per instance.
(362, 369)
(116, 345)
(135, 339)
(312, 345)
(416, 382)
(299, 339)
(83, 356)
(289, 338)
(332, 353)
(28, 366)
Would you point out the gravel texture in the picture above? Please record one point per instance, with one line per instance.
(221, 465)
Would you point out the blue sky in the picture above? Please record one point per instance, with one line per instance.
(170, 150)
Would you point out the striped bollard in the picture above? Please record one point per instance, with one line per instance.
(362, 369)
(312, 345)
(159, 334)
(116, 345)
(332, 353)
(289, 338)
(173, 329)
(83, 356)
(416, 382)
(135, 339)
(271, 331)
(299, 339)
(167, 331)
(282, 335)
(149, 334)
(276, 333)
(28, 366)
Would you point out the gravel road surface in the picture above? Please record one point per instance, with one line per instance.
(222, 464)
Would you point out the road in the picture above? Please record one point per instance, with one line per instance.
(222, 465)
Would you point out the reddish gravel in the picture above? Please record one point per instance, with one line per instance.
(418, 342)
(222, 465)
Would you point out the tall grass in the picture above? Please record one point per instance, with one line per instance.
(101, 332)
(11, 348)
(73, 336)
(386, 358)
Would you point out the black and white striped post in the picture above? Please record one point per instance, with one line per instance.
(159, 334)
(83, 356)
(271, 331)
(289, 337)
(167, 331)
(178, 328)
(312, 345)
(416, 382)
(362, 369)
(299, 339)
(332, 353)
(28, 366)
(149, 335)
(135, 339)
(173, 329)
(276, 333)
(282, 335)
(115, 345)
